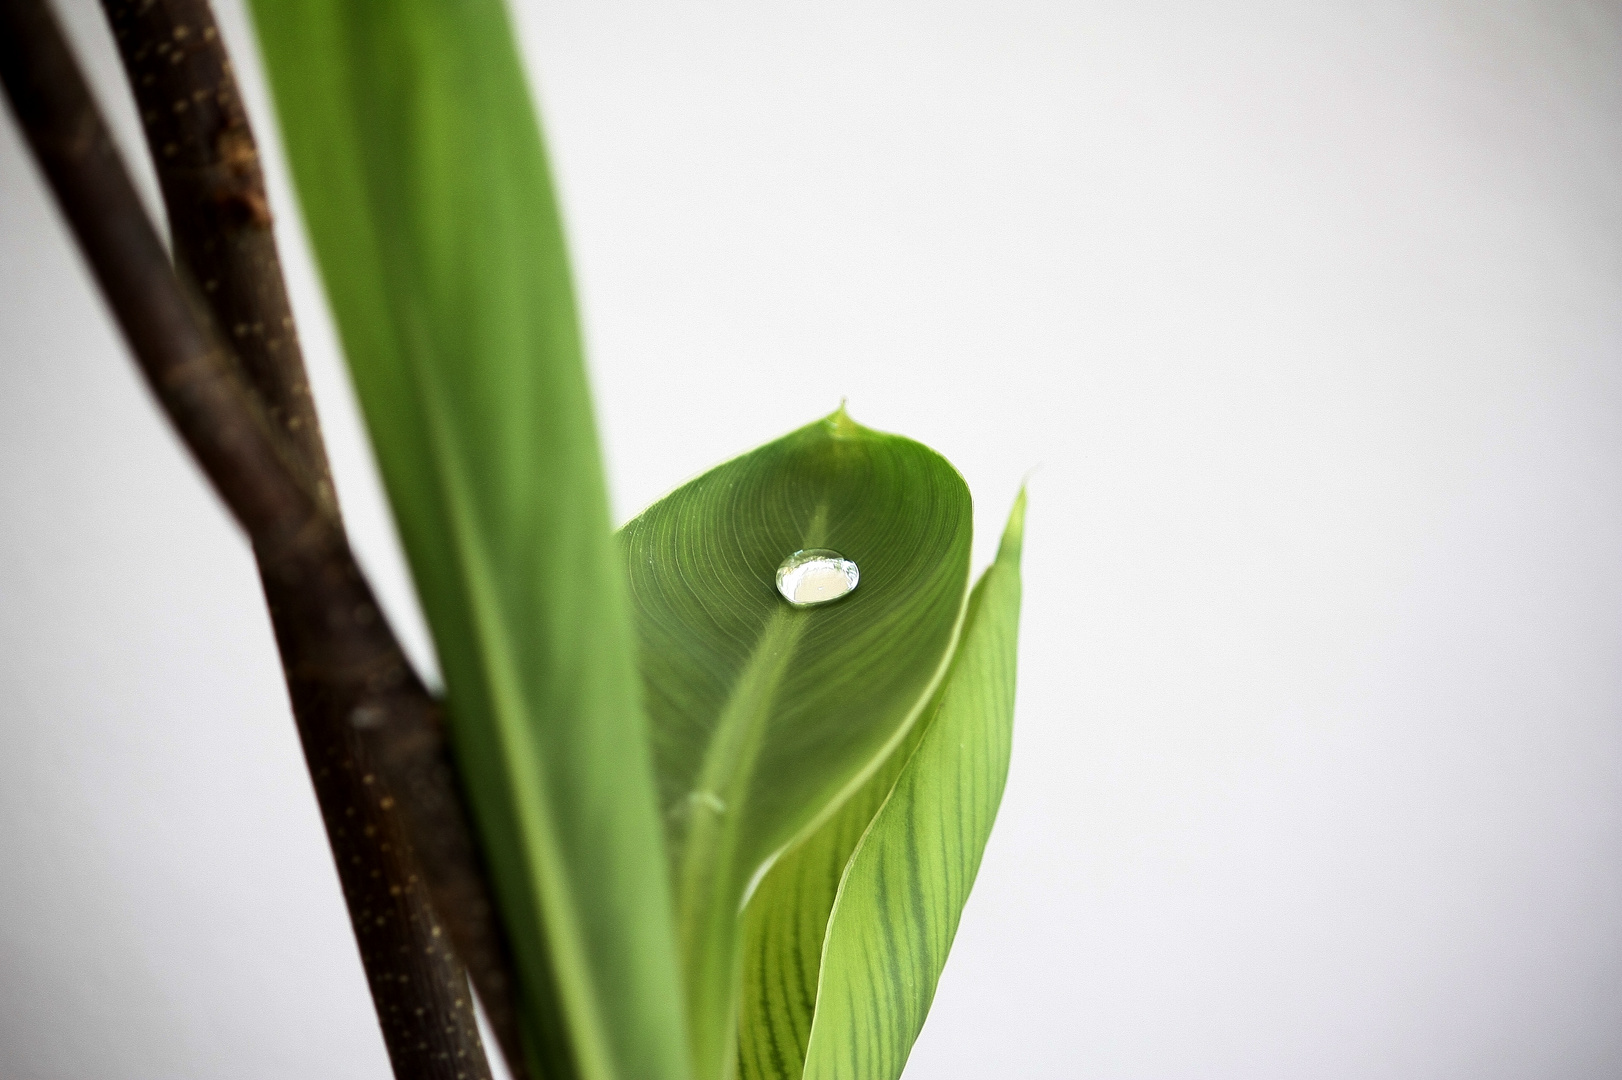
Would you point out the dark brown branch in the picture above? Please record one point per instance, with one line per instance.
(207, 163)
(370, 729)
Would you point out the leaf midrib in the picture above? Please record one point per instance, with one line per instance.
(528, 791)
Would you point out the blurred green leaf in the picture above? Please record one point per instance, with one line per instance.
(847, 934)
(425, 187)
(765, 716)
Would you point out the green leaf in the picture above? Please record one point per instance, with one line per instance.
(902, 895)
(786, 920)
(426, 190)
(847, 934)
(766, 716)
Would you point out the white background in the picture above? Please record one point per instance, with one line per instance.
(1309, 316)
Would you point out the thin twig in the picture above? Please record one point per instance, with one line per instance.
(360, 705)
(207, 165)
(207, 162)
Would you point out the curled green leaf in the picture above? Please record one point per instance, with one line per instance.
(766, 716)
(847, 934)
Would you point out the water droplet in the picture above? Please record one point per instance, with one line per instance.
(815, 576)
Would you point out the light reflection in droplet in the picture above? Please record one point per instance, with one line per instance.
(816, 576)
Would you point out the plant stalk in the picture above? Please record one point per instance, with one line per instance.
(371, 732)
(207, 162)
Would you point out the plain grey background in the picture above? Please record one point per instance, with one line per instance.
(1309, 317)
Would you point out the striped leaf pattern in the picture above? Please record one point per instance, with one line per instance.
(766, 717)
(902, 895)
(847, 935)
(785, 923)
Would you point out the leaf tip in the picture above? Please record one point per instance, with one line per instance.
(840, 425)
(1013, 535)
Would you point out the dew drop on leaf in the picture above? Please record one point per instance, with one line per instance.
(815, 576)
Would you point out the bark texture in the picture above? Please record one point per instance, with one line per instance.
(207, 163)
(371, 732)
